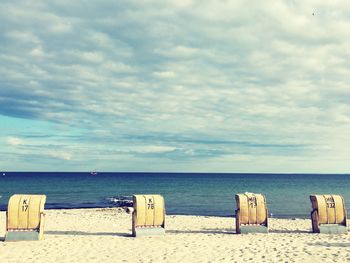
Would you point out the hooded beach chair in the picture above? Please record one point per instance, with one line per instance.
(25, 217)
(328, 214)
(251, 213)
(148, 217)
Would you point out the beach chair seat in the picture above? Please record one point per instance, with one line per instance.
(148, 217)
(25, 217)
(251, 213)
(328, 214)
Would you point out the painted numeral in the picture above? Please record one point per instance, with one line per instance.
(24, 205)
(252, 202)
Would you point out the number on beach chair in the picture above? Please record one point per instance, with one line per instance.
(251, 213)
(25, 217)
(328, 214)
(148, 217)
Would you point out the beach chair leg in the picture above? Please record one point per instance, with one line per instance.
(314, 221)
(238, 231)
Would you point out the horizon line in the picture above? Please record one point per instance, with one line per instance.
(183, 172)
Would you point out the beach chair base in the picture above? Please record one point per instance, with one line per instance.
(140, 232)
(252, 229)
(21, 235)
(331, 229)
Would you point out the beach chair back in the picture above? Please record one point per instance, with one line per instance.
(251, 213)
(328, 214)
(148, 217)
(25, 217)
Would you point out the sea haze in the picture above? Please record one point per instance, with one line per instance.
(185, 193)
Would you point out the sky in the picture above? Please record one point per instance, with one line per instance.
(176, 86)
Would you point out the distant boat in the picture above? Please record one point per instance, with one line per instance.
(3, 174)
(93, 173)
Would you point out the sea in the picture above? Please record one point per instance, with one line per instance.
(206, 194)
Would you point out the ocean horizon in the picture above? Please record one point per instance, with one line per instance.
(206, 194)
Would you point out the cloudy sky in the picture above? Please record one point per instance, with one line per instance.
(202, 86)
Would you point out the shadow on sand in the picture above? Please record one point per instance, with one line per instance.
(203, 231)
(81, 233)
(325, 244)
(232, 231)
(284, 231)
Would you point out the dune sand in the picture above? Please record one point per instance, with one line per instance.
(103, 235)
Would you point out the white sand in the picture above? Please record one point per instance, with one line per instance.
(103, 235)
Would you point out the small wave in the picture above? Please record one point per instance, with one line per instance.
(120, 200)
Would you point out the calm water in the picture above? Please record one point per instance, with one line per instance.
(185, 193)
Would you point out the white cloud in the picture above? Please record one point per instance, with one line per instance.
(23, 36)
(61, 27)
(95, 57)
(100, 39)
(14, 141)
(37, 52)
(152, 149)
(60, 155)
(164, 74)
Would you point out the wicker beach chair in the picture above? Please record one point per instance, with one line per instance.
(148, 217)
(328, 214)
(251, 213)
(25, 217)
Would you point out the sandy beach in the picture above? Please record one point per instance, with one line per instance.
(104, 235)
